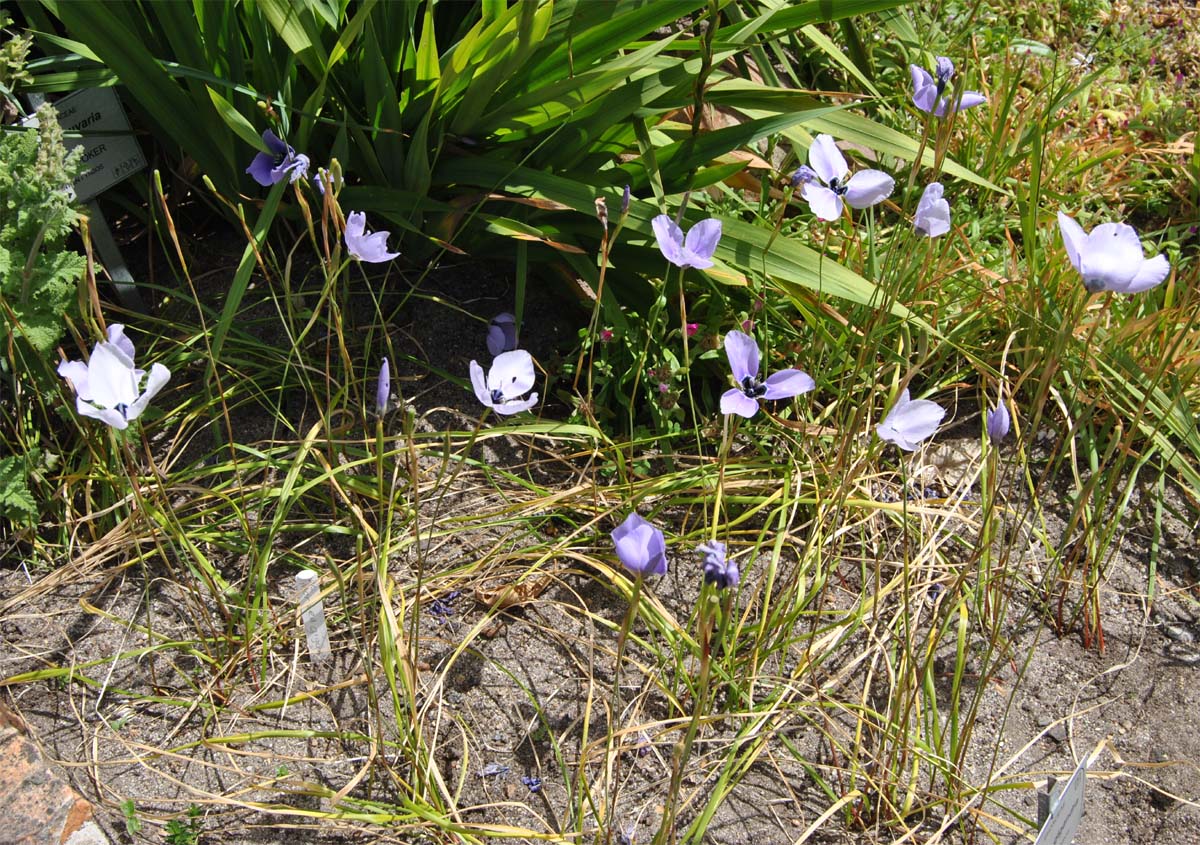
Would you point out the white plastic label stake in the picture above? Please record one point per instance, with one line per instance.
(313, 614)
(1066, 810)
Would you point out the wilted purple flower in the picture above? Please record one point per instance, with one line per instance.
(910, 421)
(640, 546)
(383, 388)
(803, 176)
(997, 423)
(865, 188)
(698, 248)
(108, 387)
(1111, 258)
(502, 334)
(743, 360)
(493, 770)
(534, 784)
(363, 244)
(718, 571)
(510, 378)
(933, 213)
(929, 94)
(281, 161)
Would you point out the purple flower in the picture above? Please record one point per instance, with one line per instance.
(865, 188)
(510, 378)
(1110, 258)
(997, 423)
(698, 248)
(108, 387)
(929, 94)
(625, 198)
(383, 388)
(363, 244)
(282, 160)
(532, 783)
(743, 360)
(933, 213)
(691, 329)
(502, 334)
(910, 421)
(493, 770)
(640, 546)
(718, 571)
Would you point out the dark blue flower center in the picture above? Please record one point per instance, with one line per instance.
(838, 187)
(753, 388)
(123, 409)
(497, 397)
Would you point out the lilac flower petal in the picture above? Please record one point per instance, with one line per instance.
(970, 99)
(111, 377)
(743, 355)
(116, 336)
(924, 89)
(824, 203)
(1074, 238)
(997, 423)
(516, 406)
(669, 237)
(276, 144)
(826, 159)
(1151, 274)
(945, 69)
(1111, 257)
(502, 334)
(702, 240)
(159, 376)
(109, 416)
(261, 168)
(868, 187)
(77, 372)
(788, 383)
(933, 212)
(479, 384)
(512, 374)
(737, 402)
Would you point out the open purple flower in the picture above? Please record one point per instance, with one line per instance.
(743, 360)
(694, 251)
(933, 213)
(910, 421)
(364, 244)
(108, 387)
(282, 161)
(929, 94)
(1111, 258)
(640, 546)
(383, 388)
(502, 334)
(998, 422)
(865, 188)
(510, 378)
(718, 571)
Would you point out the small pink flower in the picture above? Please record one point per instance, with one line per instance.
(663, 387)
(606, 335)
(692, 328)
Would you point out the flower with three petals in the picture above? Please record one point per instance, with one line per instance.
(743, 361)
(282, 161)
(862, 190)
(510, 378)
(929, 93)
(933, 213)
(364, 244)
(1110, 257)
(910, 421)
(696, 250)
(109, 387)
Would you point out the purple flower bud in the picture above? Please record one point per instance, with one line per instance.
(803, 175)
(502, 334)
(998, 423)
(640, 546)
(383, 388)
(625, 200)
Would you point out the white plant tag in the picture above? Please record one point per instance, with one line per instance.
(313, 613)
(1066, 810)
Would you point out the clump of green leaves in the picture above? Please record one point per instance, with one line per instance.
(38, 277)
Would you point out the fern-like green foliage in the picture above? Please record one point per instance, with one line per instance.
(38, 277)
(16, 502)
